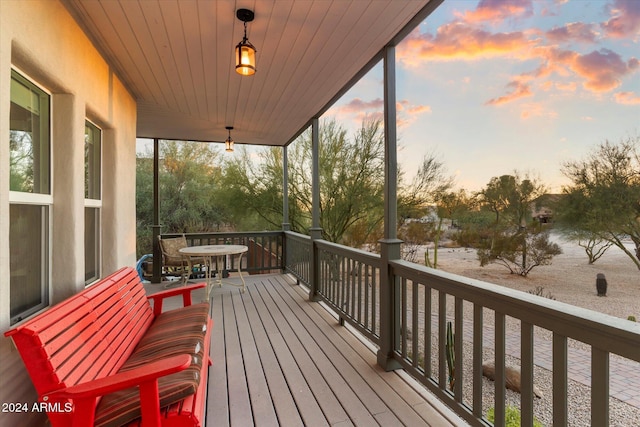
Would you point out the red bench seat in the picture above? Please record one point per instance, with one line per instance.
(107, 357)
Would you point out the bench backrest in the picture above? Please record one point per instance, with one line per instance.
(87, 336)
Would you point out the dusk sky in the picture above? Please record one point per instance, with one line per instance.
(493, 86)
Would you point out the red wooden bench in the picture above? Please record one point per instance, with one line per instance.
(108, 357)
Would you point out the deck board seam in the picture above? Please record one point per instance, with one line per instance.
(318, 354)
(396, 398)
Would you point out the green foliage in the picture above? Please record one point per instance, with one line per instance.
(520, 250)
(203, 191)
(413, 235)
(632, 318)
(188, 191)
(516, 242)
(512, 417)
(602, 199)
(451, 357)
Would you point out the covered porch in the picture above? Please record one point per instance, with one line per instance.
(140, 70)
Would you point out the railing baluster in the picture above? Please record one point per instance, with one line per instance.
(499, 364)
(560, 415)
(403, 317)
(442, 339)
(478, 345)
(526, 373)
(427, 332)
(599, 387)
(415, 287)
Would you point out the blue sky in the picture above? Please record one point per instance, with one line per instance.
(493, 86)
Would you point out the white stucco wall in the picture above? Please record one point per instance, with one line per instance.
(42, 40)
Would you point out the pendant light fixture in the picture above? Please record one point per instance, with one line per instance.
(228, 144)
(245, 52)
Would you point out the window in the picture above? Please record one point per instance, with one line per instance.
(93, 203)
(29, 196)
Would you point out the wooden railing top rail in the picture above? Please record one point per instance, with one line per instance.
(352, 253)
(613, 334)
(223, 234)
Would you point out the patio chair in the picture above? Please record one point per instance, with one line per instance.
(173, 262)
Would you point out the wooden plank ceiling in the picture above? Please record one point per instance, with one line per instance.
(176, 58)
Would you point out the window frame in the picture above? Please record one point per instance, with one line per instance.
(94, 204)
(43, 200)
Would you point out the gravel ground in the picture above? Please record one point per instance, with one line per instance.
(569, 279)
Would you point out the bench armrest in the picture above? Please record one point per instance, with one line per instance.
(85, 395)
(185, 291)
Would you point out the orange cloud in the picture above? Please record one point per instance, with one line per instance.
(419, 109)
(537, 110)
(359, 110)
(627, 98)
(457, 40)
(519, 90)
(498, 10)
(566, 87)
(602, 69)
(625, 20)
(470, 38)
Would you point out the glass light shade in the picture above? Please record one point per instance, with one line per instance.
(245, 58)
(228, 145)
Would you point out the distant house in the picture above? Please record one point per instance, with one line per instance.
(542, 207)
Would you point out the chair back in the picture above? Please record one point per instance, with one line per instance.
(170, 250)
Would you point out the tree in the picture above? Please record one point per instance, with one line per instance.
(516, 241)
(188, 191)
(603, 199)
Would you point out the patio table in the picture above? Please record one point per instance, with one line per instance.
(217, 252)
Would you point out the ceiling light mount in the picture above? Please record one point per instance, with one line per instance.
(228, 144)
(245, 51)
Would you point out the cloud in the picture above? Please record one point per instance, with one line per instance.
(360, 109)
(574, 31)
(457, 40)
(357, 104)
(470, 36)
(537, 110)
(494, 11)
(625, 19)
(627, 98)
(602, 69)
(518, 90)
(566, 87)
(419, 109)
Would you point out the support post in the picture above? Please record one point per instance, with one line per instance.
(286, 226)
(315, 230)
(390, 244)
(155, 228)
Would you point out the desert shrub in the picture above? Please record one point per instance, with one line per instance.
(512, 417)
(539, 291)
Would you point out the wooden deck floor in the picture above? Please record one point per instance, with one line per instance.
(279, 360)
